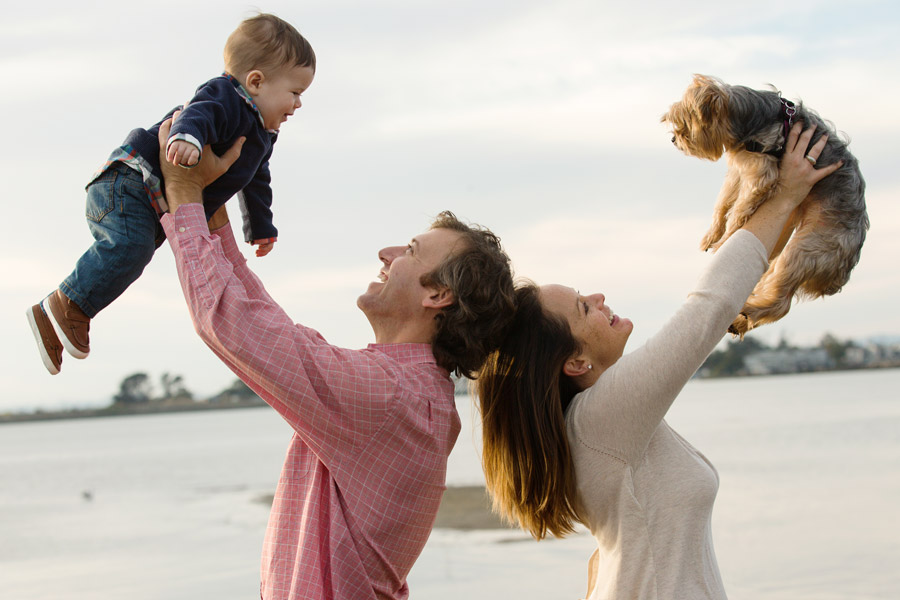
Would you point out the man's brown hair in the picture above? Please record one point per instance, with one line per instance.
(480, 277)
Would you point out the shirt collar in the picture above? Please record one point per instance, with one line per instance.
(242, 91)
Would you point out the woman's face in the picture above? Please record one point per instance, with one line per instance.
(601, 333)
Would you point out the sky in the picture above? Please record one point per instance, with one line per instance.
(540, 120)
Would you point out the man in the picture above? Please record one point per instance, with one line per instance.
(365, 470)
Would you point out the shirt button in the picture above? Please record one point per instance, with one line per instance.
(181, 230)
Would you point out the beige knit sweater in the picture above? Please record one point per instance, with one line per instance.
(647, 493)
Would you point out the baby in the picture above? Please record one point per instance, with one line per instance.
(268, 65)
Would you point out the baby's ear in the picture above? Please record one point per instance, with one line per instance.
(254, 80)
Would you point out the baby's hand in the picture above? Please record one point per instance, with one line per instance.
(264, 248)
(182, 154)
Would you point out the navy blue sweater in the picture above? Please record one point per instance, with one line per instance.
(219, 113)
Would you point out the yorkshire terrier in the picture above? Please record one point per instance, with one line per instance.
(822, 240)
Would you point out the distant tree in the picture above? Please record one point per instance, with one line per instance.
(137, 388)
(237, 392)
(730, 361)
(836, 349)
(783, 343)
(134, 389)
(240, 389)
(173, 388)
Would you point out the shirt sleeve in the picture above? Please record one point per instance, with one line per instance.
(255, 201)
(333, 398)
(622, 410)
(211, 116)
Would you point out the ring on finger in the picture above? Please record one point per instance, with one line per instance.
(811, 160)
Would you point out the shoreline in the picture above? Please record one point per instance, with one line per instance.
(118, 411)
(154, 408)
(463, 508)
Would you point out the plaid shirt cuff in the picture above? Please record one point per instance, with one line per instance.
(188, 221)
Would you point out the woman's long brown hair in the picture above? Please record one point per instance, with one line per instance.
(522, 394)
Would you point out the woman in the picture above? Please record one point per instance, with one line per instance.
(573, 430)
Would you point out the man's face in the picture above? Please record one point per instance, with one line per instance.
(399, 295)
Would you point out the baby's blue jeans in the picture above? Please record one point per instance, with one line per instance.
(126, 232)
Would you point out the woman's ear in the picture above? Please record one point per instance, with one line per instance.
(253, 81)
(577, 366)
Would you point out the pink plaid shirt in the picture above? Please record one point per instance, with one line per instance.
(365, 469)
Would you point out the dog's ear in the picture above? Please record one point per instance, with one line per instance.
(709, 121)
(712, 102)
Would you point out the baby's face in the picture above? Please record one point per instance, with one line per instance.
(278, 95)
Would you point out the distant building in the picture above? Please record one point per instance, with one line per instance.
(854, 356)
(799, 360)
(738, 359)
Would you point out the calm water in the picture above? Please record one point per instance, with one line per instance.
(166, 506)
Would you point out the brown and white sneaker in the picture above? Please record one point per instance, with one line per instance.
(70, 323)
(48, 343)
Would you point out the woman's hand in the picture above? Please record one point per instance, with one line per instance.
(798, 174)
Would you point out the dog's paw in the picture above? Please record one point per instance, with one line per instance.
(740, 326)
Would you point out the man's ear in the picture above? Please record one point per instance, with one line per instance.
(577, 366)
(253, 81)
(438, 298)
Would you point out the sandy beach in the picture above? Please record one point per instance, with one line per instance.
(467, 508)
(464, 508)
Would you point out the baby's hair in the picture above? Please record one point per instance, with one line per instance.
(266, 43)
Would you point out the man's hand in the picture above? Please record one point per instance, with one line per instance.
(185, 186)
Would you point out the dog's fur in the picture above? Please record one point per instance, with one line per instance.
(828, 228)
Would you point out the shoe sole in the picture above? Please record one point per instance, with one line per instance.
(60, 333)
(48, 362)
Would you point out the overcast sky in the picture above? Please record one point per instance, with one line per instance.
(537, 119)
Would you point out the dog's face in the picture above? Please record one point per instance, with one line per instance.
(700, 121)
